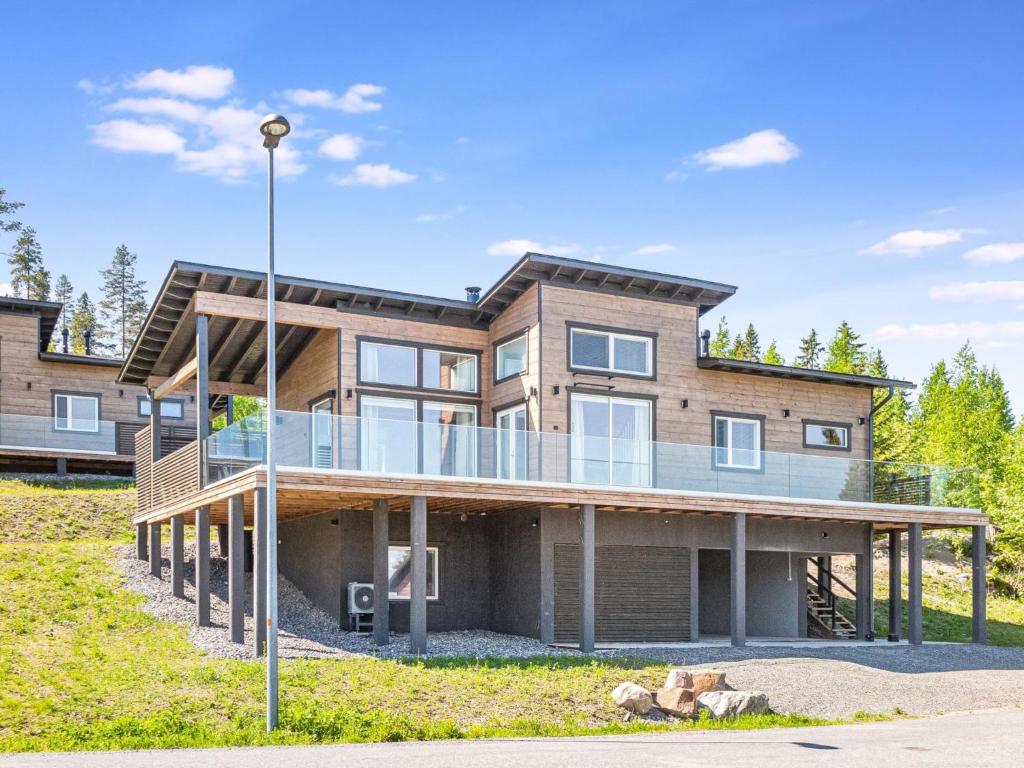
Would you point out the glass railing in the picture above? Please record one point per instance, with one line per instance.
(46, 433)
(324, 442)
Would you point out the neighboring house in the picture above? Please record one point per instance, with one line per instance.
(557, 457)
(67, 412)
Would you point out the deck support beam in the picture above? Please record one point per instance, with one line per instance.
(155, 563)
(259, 574)
(203, 566)
(587, 547)
(418, 573)
(141, 545)
(223, 540)
(202, 392)
(915, 628)
(865, 564)
(979, 589)
(738, 579)
(178, 556)
(381, 606)
(236, 577)
(895, 586)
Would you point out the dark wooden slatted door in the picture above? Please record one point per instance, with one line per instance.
(641, 594)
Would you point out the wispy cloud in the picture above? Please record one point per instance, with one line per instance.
(983, 292)
(768, 147)
(133, 136)
(367, 175)
(425, 218)
(1008, 331)
(358, 98)
(520, 246)
(676, 176)
(94, 89)
(342, 146)
(914, 242)
(653, 250)
(463, 140)
(195, 82)
(996, 253)
(941, 211)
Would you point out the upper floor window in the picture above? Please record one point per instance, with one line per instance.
(611, 351)
(738, 441)
(387, 364)
(416, 365)
(826, 434)
(169, 408)
(510, 358)
(443, 369)
(76, 413)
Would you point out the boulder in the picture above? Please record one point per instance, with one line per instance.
(633, 698)
(710, 680)
(731, 703)
(678, 702)
(678, 678)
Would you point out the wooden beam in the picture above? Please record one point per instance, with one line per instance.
(245, 308)
(186, 373)
(216, 387)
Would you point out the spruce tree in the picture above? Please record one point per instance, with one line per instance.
(751, 344)
(7, 210)
(772, 356)
(83, 318)
(845, 353)
(28, 276)
(63, 293)
(810, 351)
(123, 307)
(719, 346)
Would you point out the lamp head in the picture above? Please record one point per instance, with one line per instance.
(273, 128)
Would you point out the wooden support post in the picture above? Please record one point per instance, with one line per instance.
(62, 465)
(381, 605)
(202, 392)
(141, 545)
(178, 556)
(738, 579)
(915, 628)
(864, 575)
(236, 579)
(694, 594)
(155, 556)
(979, 588)
(154, 426)
(229, 411)
(223, 540)
(418, 586)
(587, 547)
(259, 576)
(203, 566)
(248, 548)
(895, 586)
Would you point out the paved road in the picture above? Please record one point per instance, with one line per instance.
(960, 741)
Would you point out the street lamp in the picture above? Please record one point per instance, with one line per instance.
(273, 128)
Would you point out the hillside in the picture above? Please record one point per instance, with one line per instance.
(68, 509)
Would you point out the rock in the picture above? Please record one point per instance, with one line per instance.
(654, 716)
(732, 703)
(678, 702)
(710, 680)
(678, 678)
(633, 698)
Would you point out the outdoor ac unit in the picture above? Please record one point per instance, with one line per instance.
(360, 597)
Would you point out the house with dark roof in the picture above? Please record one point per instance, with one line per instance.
(557, 456)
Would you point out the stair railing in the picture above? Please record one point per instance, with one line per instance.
(824, 581)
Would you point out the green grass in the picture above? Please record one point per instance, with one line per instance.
(60, 510)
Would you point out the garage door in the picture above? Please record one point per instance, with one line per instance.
(641, 594)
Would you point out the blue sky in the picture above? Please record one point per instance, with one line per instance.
(858, 161)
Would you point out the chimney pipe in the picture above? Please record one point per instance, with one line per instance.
(473, 294)
(87, 337)
(64, 343)
(705, 343)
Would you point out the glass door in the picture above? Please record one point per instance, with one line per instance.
(388, 436)
(449, 439)
(610, 440)
(512, 435)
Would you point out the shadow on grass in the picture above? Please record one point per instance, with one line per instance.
(554, 662)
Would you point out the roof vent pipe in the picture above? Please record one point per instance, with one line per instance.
(87, 338)
(64, 337)
(473, 294)
(705, 343)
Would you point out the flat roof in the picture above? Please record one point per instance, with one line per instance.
(803, 374)
(46, 311)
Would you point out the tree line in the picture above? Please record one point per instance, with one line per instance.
(112, 323)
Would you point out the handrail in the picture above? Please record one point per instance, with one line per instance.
(837, 580)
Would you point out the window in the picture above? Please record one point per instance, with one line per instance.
(323, 441)
(387, 364)
(512, 445)
(449, 439)
(400, 573)
(826, 434)
(169, 408)
(449, 370)
(608, 351)
(737, 442)
(76, 413)
(388, 435)
(510, 358)
(610, 440)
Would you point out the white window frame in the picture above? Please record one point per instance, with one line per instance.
(69, 397)
(843, 428)
(511, 459)
(315, 417)
(612, 337)
(474, 358)
(610, 401)
(525, 338)
(436, 569)
(730, 462)
(415, 363)
(474, 447)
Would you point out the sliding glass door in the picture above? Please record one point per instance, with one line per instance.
(388, 435)
(449, 439)
(511, 434)
(610, 440)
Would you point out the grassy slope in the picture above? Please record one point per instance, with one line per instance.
(65, 510)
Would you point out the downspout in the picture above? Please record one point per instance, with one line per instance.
(871, 439)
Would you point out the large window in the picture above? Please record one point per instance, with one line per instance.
(510, 358)
(388, 435)
(76, 413)
(826, 434)
(393, 439)
(511, 425)
(387, 364)
(400, 573)
(737, 442)
(416, 365)
(170, 408)
(611, 440)
(443, 369)
(610, 351)
(449, 439)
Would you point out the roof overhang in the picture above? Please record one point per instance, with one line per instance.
(801, 374)
(67, 357)
(46, 311)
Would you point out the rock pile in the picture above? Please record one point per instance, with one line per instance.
(686, 694)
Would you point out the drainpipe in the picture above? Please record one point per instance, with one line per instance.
(871, 439)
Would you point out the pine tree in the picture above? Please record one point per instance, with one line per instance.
(845, 353)
(747, 346)
(63, 293)
(28, 275)
(772, 356)
(83, 318)
(7, 209)
(719, 346)
(123, 307)
(810, 351)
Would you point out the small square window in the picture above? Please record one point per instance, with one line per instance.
(511, 358)
(400, 573)
(76, 413)
(737, 442)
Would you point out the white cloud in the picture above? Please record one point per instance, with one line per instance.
(463, 140)
(999, 332)
(342, 146)
(132, 136)
(996, 253)
(94, 89)
(195, 82)
(676, 176)
(444, 216)
(767, 147)
(519, 247)
(915, 241)
(941, 211)
(175, 109)
(652, 250)
(356, 99)
(984, 292)
(367, 175)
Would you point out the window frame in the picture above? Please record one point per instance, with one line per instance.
(69, 394)
(755, 418)
(505, 341)
(418, 349)
(631, 334)
(844, 425)
(327, 398)
(652, 401)
(140, 399)
(395, 597)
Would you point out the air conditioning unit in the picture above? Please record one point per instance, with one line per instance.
(360, 598)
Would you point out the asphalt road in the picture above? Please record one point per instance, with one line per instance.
(978, 739)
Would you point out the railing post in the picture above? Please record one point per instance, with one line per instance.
(202, 392)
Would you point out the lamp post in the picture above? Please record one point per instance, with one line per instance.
(273, 128)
